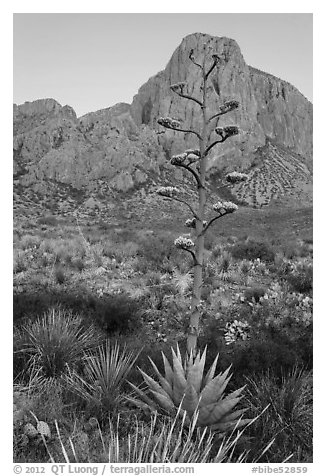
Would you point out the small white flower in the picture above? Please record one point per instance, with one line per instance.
(167, 191)
(227, 207)
(184, 242)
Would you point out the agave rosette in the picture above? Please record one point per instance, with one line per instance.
(185, 388)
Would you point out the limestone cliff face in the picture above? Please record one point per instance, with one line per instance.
(51, 143)
(269, 107)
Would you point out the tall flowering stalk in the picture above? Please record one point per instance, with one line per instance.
(195, 162)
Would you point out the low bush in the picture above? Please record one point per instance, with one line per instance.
(251, 250)
(254, 294)
(48, 220)
(301, 278)
(115, 314)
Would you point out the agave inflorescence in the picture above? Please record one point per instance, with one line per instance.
(185, 388)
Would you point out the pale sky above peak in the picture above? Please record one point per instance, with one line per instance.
(93, 61)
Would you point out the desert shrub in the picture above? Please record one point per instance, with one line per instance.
(153, 278)
(79, 264)
(301, 277)
(159, 251)
(254, 294)
(59, 274)
(96, 253)
(123, 251)
(19, 262)
(29, 241)
(115, 314)
(288, 418)
(53, 347)
(48, 220)
(251, 250)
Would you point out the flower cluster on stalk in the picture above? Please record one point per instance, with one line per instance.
(186, 158)
(169, 123)
(191, 223)
(229, 106)
(225, 207)
(178, 87)
(227, 131)
(236, 177)
(167, 191)
(184, 243)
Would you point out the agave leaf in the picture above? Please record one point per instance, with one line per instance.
(141, 404)
(153, 385)
(165, 402)
(214, 389)
(168, 370)
(213, 413)
(195, 371)
(236, 393)
(190, 400)
(211, 371)
(233, 416)
(179, 380)
(231, 425)
(167, 387)
(144, 397)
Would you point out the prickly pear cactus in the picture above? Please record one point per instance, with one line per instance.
(43, 429)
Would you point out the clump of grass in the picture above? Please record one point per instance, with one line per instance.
(161, 440)
(224, 264)
(29, 241)
(288, 418)
(19, 262)
(48, 220)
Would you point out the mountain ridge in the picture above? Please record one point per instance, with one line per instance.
(119, 144)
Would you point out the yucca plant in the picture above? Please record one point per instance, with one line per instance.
(161, 440)
(54, 346)
(105, 371)
(184, 385)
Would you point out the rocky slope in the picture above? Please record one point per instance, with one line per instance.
(51, 143)
(118, 149)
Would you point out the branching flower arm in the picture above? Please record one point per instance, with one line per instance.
(178, 88)
(215, 58)
(191, 57)
(175, 125)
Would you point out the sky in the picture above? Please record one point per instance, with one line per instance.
(93, 61)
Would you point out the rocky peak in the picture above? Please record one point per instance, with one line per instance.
(269, 107)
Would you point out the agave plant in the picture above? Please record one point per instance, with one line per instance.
(185, 389)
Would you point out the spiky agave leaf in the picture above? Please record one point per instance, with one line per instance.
(179, 379)
(195, 370)
(190, 400)
(210, 373)
(214, 412)
(168, 370)
(213, 391)
(166, 385)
